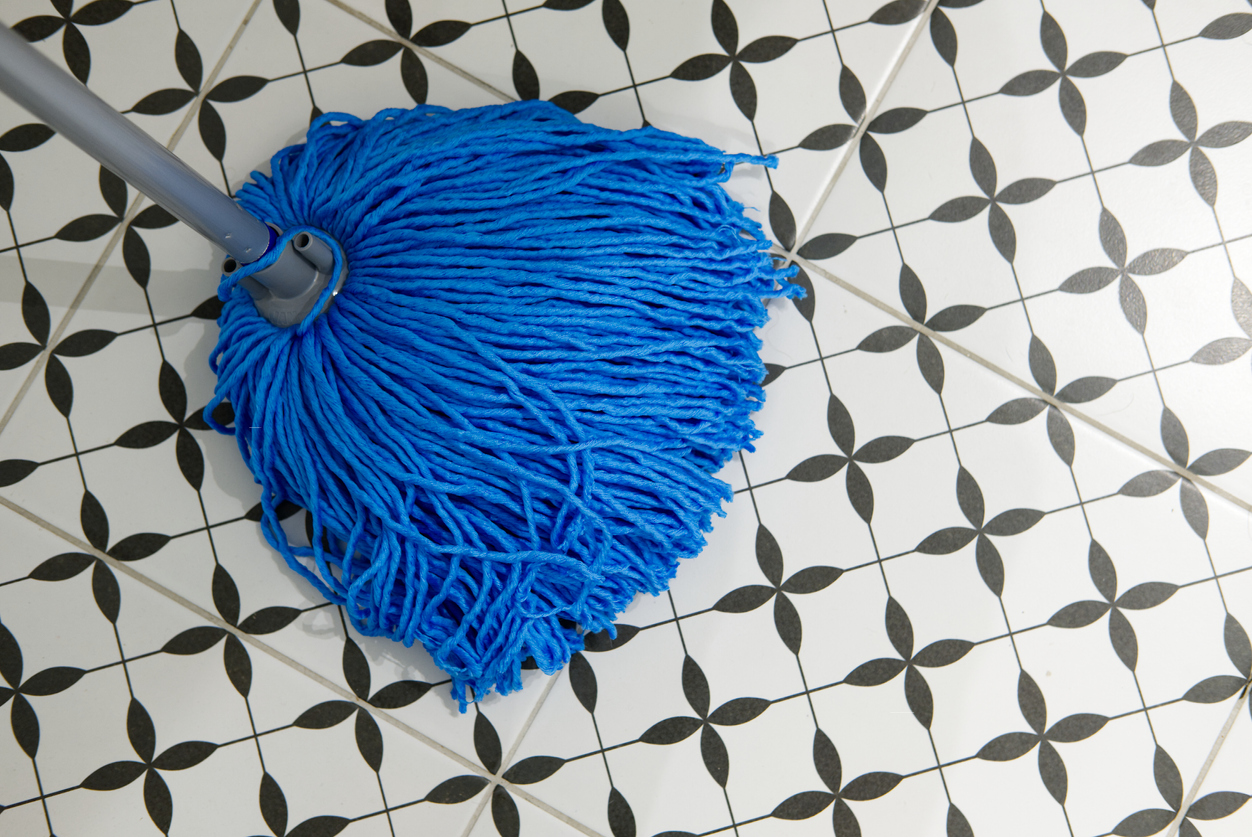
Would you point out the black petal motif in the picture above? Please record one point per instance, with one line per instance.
(238, 88)
(701, 67)
(184, 755)
(87, 228)
(13, 471)
(533, 769)
(137, 547)
(817, 468)
(897, 12)
(1194, 508)
(487, 743)
(119, 774)
(93, 520)
(269, 619)
(369, 740)
(392, 696)
(1017, 411)
(371, 53)
(51, 681)
(504, 815)
(525, 79)
(440, 33)
(288, 12)
(1217, 805)
(325, 715)
(238, 665)
(575, 101)
(943, 36)
(671, 730)
(713, 752)
(826, 246)
(766, 49)
(828, 137)
(325, 826)
(738, 711)
(946, 541)
(273, 805)
(140, 730)
(803, 805)
(871, 786)
(456, 790)
(194, 640)
(782, 222)
(695, 687)
(875, 672)
(59, 567)
(356, 670)
(617, 25)
(1061, 435)
(851, 93)
(895, 120)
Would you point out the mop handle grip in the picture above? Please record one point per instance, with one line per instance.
(73, 111)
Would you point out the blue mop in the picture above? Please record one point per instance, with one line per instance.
(498, 354)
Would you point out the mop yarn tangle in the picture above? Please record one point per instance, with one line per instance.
(508, 421)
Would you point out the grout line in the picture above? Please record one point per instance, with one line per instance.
(555, 813)
(217, 621)
(1100, 426)
(111, 245)
(423, 51)
(70, 311)
(300, 668)
(507, 761)
(478, 811)
(211, 79)
(870, 112)
(1208, 763)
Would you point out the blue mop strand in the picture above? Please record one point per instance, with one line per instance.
(507, 422)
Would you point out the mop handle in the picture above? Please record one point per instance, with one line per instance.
(74, 112)
(284, 292)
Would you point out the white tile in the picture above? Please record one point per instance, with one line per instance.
(996, 44)
(565, 730)
(781, 736)
(571, 51)
(1079, 671)
(1127, 109)
(917, 806)
(962, 727)
(1009, 795)
(1181, 21)
(873, 730)
(1173, 660)
(797, 399)
(1110, 775)
(645, 773)
(1120, 26)
(853, 606)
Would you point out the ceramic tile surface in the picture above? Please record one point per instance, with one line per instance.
(988, 571)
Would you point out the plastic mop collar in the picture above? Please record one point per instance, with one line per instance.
(508, 421)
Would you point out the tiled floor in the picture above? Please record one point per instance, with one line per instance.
(987, 572)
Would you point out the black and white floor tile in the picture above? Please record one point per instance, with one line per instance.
(989, 570)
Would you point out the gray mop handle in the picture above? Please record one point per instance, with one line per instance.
(74, 112)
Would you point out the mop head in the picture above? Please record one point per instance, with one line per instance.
(508, 421)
